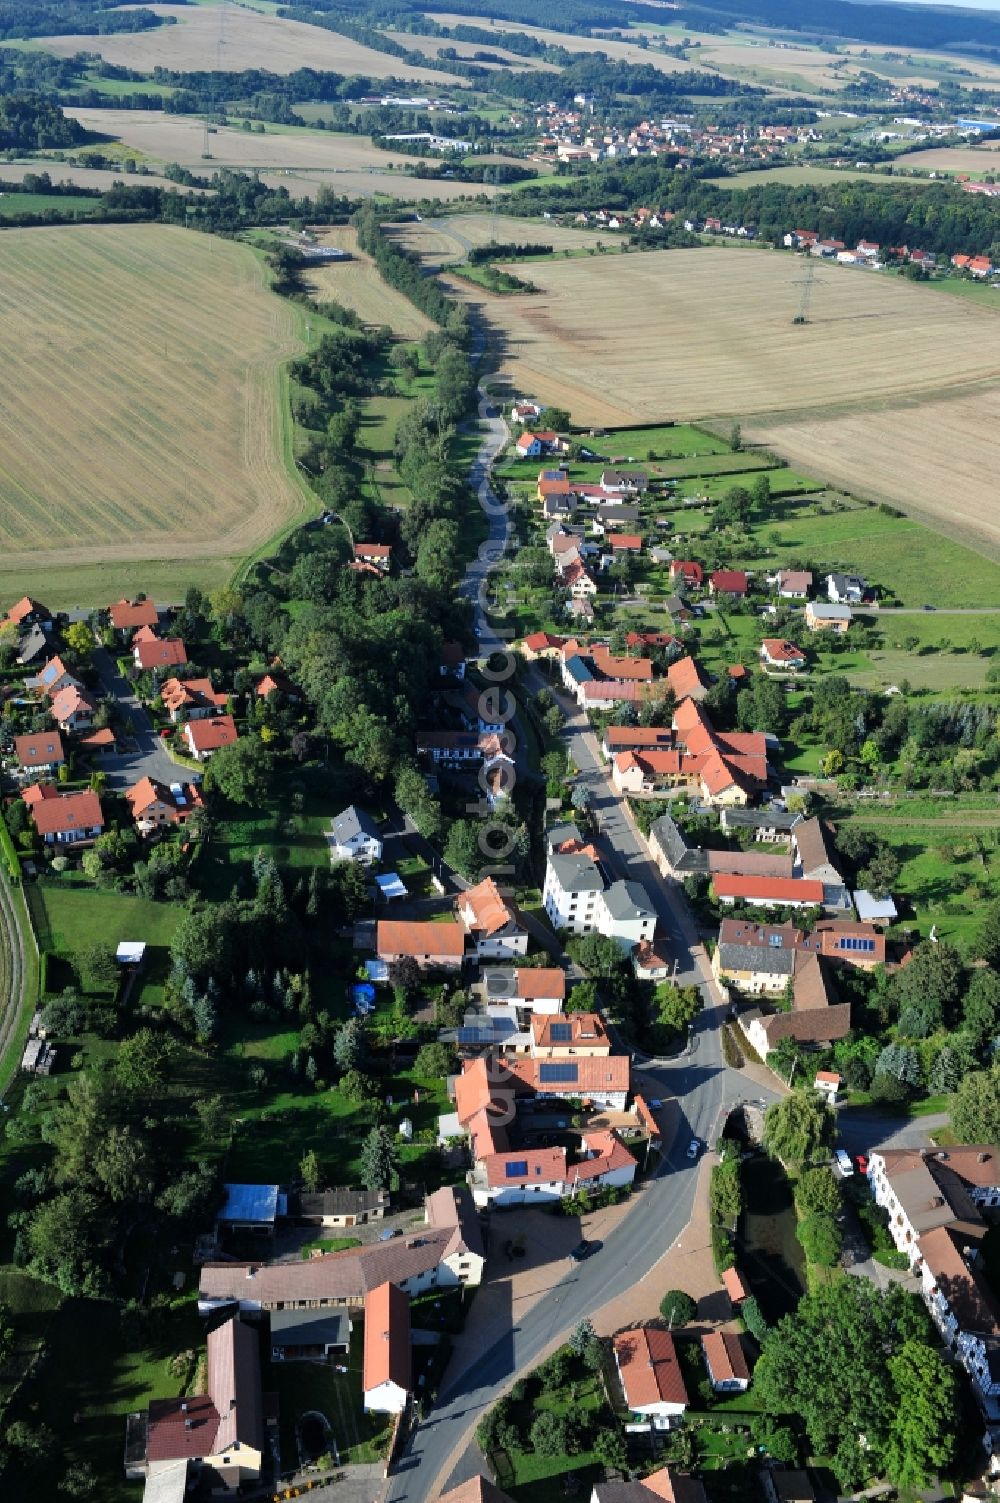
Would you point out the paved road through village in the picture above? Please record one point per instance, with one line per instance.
(698, 1079)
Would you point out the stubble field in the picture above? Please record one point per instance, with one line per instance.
(297, 159)
(450, 237)
(890, 389)
(141, 414)
(231, 38)
(975, 160)
(357, 284)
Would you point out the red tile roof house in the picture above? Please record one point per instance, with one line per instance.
(687, 571)
(150, 652)
(378, 554)
(51, 677)
(72, 708)
(191, 699)
(41, 753)
(777, 653)
(28, 612)
(763, 892)
(155, 806)
(729, 582)
(439, 947)
(64, 818)
(386, 1380)
(129, 615)
(726, 1361)
(650, 1374)
(625, 542)
(204, 737)
(493, 924)
(222, 1431)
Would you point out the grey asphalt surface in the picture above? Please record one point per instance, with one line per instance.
(148, 760)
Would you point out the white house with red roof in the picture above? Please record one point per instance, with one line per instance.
(776, 652)
(151, 653)
(493, 923)
(650, 1374)
(386, 1380)
(205, 737)
(64, 818)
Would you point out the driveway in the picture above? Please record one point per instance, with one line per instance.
(148, 759)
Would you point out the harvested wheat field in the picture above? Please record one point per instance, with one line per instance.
(231, 38)
(977, 161)
(450, 237)
(141, 412)
(938, 459)
(357, 284)
(709, 333)
(100, 179)
(300, 160)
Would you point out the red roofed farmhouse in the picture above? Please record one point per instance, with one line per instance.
(386, 1372)
(127, 615)
(151, 652)
(221, 1431)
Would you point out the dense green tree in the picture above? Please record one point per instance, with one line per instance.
(817, 1190)
(981, 1007)
(820, 1238)
(677, 1308)
(829, 1363)
(142, 1063)
(379, 1159)
(350, 1045)
(753, 1318)
(975, 1109)
(933, 979)
(434, 1061)
(311, 1171)
(241, 772)
(97, 967)
(66, 1239)
(922, 1438)
(799, 1127)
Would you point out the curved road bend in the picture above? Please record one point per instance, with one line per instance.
(698, 1079)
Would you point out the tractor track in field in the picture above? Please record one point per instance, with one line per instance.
(13, 973)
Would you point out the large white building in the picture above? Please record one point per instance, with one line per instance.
(934, 1200)
(576, 898)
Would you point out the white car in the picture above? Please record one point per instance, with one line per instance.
(694, 1148)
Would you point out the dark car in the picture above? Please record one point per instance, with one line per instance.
(582, 1250)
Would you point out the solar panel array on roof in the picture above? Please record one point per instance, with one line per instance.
(560, 1033)
(517, 1170)
(557, 1074)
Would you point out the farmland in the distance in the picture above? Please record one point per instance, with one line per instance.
(886, 388)
(450, 237)
(300, 160)
(231, 38)
(142, 421)
(357, 284)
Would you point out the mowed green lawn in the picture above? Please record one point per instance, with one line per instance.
(949, 871)
(14, 204)
(919, 566)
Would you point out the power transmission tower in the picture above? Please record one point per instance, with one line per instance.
(806, 283)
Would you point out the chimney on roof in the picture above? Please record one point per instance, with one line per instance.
(982, 1158)
(188, 1424)
(184, 1407)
